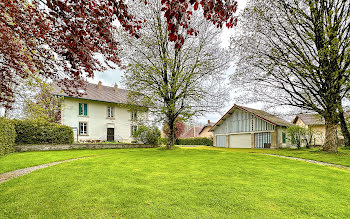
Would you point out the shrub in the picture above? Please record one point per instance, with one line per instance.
(7, 136)
(147, 135)
(195, 141)
(39, 132)
(163, 141)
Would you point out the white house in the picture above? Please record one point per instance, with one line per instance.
(102, 113)
(243, 127)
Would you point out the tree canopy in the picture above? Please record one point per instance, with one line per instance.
(174, 81)
(59, 39)
(298, 51)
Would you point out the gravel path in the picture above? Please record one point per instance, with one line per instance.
(20, 172)
(311, 161)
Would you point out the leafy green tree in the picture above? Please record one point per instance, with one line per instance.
(44, 106)
(296, 134)
(174, 81)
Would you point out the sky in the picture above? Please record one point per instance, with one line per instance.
(112, 76)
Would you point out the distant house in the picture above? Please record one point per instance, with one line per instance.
(192, 132)
(205, 131)
(317, 124)
(100, 114)
(243, 127)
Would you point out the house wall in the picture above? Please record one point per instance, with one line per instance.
(206, 133)
(279, 139)
(97, 120)
(319, 133)
(243, 123)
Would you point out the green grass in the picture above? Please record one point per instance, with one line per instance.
(16, 161)
(341, 158)
(180, 183)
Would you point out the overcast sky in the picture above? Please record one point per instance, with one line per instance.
(111, 76)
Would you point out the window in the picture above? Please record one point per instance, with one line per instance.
(133, 129)
(110, 110)
(82, 128)
(283, 137)
(133, 115)
(82, 109)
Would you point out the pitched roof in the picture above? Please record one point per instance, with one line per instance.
(105, 94)
(310, 119)
(272, 119)
(193, 132)
(210, 124)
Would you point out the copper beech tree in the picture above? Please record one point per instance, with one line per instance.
(58, 39)
(179, 129)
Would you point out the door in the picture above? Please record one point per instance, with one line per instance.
(240, 141)
(110, 134)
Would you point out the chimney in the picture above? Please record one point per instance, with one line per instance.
(99, 86)
(115, 87)
(208, 121)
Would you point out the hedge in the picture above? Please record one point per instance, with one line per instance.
(7, 136)
(195, 141)
(190, 141)
(38, 132)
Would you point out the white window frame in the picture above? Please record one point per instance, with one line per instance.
(81, 105)
(110, 112)
(82, 129)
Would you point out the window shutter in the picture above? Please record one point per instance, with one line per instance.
(79, 128)
(85, 109)
(80, 109)
(283, 137)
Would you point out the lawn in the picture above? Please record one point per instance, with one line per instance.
(16, 161)
(341, 158)
(181, 183)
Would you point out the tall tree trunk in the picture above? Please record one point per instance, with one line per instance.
(331, 142)
(344, 127)
(171, 137)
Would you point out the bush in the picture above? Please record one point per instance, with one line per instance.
(147, 135)
(7, 136)
(195, 141)
(163, 141)
(39, 132)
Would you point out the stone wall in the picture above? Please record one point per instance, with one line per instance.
(46, 147)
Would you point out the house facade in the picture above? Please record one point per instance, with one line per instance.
(317, 125)
(100, 114)
(243, 127)
(205, 131)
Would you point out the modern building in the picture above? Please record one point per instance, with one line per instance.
(243, 127)
(101, 113)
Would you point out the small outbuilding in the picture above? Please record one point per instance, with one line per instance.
(243, 127)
